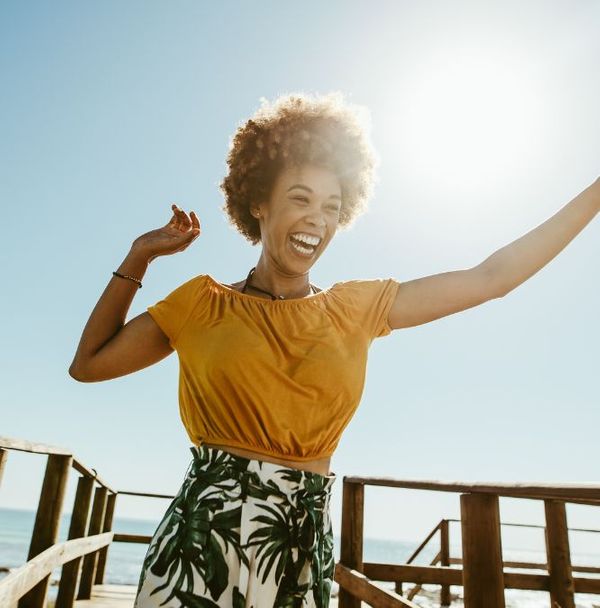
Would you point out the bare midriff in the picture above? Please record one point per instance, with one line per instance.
(320, 466)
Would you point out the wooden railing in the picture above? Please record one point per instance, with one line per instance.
(83, 555)
(443, 557)
(481, 573)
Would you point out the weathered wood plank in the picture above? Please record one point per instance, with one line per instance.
(483, 575)
(142, 539)
(77, 528)
(445, 559)
(91, 559)
(3, 457)
(572, 492)
(106, 527)
(81, 468)
(361, 587)
(47, 521)
(145, 494)
(23, 445)
(108, 596)
(562, 588)
(24, 578)
(351, 550)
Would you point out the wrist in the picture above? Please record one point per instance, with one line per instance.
(135, 263)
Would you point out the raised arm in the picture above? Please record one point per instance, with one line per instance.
(428, 298)
(109, 347)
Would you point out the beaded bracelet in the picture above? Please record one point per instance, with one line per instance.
(125, 276)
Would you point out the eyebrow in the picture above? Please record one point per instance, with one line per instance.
(309, 190)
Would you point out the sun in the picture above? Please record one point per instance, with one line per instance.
(468, 119)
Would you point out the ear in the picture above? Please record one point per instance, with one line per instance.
(255, 211)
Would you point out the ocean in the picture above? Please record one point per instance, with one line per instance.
(125, 559)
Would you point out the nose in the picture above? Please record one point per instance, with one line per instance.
(316, 218)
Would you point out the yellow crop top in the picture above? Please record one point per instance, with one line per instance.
(279, 377)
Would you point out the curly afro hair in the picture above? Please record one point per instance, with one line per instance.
(294, 130)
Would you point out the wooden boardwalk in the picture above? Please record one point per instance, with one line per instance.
(109, 596)
(122, 596)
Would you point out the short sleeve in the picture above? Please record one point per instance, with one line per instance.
(172, 312)
(368, 303)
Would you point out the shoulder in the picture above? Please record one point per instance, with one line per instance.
(366, 303)
(172, 312)
(365, 287)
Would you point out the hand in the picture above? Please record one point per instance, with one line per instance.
(176, 235)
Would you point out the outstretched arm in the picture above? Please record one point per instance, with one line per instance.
(435, 296)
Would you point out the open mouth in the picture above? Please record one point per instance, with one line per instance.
(301, 246)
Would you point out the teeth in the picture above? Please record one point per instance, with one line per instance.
(307, 238)
(305, 250)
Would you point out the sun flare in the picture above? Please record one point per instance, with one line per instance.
(470, 120)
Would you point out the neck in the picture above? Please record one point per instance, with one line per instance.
(273, 280)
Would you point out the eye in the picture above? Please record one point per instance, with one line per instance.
(300, 198)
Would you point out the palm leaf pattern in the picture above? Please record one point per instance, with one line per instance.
(289, 549)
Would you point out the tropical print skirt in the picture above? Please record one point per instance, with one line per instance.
(241, 533)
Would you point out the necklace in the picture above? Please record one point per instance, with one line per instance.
(273, 297)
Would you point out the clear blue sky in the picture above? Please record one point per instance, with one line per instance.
(485, 117)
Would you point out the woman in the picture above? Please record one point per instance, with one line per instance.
(271, 367)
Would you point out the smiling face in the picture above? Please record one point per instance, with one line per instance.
(301, 217)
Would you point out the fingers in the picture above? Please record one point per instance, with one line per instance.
(182, 222)
(195, 220)
(180, 218)
(188, 227)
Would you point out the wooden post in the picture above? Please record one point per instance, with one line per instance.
(351, 548)
(89, 561)
(79, 522)
(47, 522)
(444, 559)
(562, 589)
(107, 527)
(483, 574)
(3, 457)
